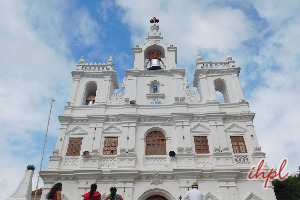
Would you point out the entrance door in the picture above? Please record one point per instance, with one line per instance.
(156, 197)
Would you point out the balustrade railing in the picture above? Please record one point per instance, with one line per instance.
(95, 68)
(215, 64)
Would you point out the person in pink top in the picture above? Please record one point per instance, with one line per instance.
(92, 194)
(55, 192)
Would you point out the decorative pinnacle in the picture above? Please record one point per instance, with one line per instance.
(81, 61)
(110, 61)
(228, 57)
(154, 20)
(199, 58)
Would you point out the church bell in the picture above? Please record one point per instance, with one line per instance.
(154, 57)
(154, 64)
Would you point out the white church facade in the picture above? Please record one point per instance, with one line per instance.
(155, 138)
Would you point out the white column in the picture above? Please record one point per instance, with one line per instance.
(252, 135)
(238, 87)
(211, 89)
(61, 137)
(187, 134)
(131, 136)
(123, 143)
(204, 88)
(179, 134)
(98, 136)
(74, 91)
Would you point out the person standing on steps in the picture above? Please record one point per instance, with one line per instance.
(113, 195)
(194, 194)
(55, 192)
(93, 194)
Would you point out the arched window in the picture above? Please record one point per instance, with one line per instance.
(90, 93)
(221, 91)
(155, 143)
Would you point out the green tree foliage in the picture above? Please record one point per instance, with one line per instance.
(289, 189)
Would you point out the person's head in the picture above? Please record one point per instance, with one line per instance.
(53, 190)
(195, 185)
(113, 192)
(93, 189)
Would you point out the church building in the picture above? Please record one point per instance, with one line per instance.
(155, 138)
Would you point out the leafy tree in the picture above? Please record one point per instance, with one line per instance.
(289, 189)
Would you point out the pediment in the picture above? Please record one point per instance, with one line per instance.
(253, 197)
(200, 128)
(235, 128)
(209, 196)
(112, 129)
(77, 131)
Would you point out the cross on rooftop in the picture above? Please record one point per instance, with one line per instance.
(154, 20)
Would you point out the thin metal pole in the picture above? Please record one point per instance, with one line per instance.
(37, 184)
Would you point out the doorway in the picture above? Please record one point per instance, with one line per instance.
(156, 197)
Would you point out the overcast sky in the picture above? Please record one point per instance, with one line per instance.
(41, 42)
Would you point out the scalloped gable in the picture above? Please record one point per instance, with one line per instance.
(77, 131)
(200, 128)
(252, 196)
(209, 196)
(112, 129)
(235, 128)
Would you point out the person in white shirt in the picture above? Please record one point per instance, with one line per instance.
(194, 194)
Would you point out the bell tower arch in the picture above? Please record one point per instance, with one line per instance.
(155, 51)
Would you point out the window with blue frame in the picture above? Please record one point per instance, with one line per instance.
(155, 89)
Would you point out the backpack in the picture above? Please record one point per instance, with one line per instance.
(117, 197)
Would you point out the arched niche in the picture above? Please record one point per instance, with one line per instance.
(220, 86)
(89, 93)
(155, 87)
(153, 49)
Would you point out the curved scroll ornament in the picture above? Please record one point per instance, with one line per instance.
(118, 98)
(192, 97)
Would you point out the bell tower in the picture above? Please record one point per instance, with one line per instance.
(154, 53)
(221, 76)
(93, 83)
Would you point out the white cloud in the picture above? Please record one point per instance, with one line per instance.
(276, 99)
(105, 7)
(35, 39)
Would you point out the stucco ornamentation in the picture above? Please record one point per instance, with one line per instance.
(109, 161)
(118, 98)
(71, 162)
(156, 179)
(156, 161)
(192, 97)
(241, 159)
(203, 161)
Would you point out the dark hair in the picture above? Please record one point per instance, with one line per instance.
(93, 189)
(53, 190)
(113, 192)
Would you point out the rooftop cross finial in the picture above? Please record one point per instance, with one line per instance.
(154, 20)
